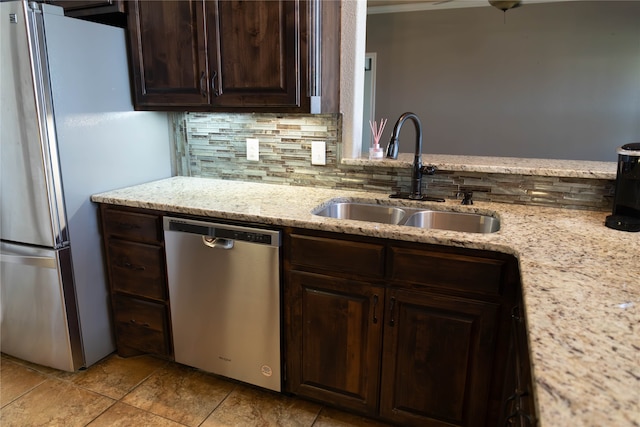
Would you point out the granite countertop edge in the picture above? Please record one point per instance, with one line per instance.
(581, 283)
(500, 165)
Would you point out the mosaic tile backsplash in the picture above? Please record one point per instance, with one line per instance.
(214, 146)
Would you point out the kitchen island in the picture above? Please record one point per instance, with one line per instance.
(580, 280)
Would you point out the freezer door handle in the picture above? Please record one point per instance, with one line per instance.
(36, 261)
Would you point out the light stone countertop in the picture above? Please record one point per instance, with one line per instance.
(505, 165)
(581, 280)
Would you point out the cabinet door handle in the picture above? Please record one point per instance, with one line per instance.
(375, 308)
(519, 418)
(516, 319)
(392, 320)
(213, 84)
(203, 88)
(515, 313)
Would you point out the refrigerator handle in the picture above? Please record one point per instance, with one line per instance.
(36, 261)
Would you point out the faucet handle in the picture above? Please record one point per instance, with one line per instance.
(466, 197)
(428, 170)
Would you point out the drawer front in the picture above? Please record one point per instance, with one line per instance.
(134, 226)
(137, 268)
(452, 271)
(337, 256)
(141, 325)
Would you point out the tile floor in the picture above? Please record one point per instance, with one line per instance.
(146, 391)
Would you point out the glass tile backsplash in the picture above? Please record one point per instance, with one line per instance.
(213, 145)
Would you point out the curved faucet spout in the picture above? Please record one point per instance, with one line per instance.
(392, 148)
(418, 170)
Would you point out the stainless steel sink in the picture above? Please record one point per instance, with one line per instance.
(468, 222)
(456, 221)
(363, 212)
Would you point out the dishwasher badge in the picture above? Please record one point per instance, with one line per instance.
(266, 371)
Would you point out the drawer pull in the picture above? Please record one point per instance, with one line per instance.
(146, 325)
(124, 263)
(127, 226)
(134, 267)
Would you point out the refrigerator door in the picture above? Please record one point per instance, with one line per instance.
(103, 144)
(68, 124)
(36, 323)
(32, 208)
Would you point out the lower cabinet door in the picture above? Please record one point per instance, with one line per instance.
(141, 326)
(437, 359)
(137, 268)
(334, 340)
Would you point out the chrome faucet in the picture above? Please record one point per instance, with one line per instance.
(418, 169)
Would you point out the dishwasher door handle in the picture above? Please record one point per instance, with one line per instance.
(217, 242)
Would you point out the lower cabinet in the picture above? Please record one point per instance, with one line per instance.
(141, 326)
(437, 359)
(134, 248)
(335, 340)
(423, 347)
(519, 407)
(413, 334)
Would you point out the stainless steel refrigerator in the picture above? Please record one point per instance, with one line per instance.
(68, 130)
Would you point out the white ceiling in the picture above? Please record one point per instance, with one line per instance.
(392, 6)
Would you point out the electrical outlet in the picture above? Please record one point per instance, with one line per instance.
(253, 149)
(318, 153)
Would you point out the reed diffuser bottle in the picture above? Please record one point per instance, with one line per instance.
(375, 151)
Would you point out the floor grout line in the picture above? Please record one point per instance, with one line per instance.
(277, 403)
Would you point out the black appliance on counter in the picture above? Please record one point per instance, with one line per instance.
(626, 204)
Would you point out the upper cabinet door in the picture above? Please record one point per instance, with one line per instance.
(255, 53)
(235, 55)
(169, 53)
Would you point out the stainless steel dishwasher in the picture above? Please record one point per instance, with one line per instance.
(224, 289)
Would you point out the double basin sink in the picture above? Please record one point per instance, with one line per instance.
(410, 216)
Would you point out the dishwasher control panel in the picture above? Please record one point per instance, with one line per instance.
(223, 231)
(246, 236)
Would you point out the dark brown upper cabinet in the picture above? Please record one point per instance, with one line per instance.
(235, 55)
(168, 48)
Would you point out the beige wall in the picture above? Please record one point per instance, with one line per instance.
(553, 81)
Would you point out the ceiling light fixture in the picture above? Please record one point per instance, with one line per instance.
(504, 5)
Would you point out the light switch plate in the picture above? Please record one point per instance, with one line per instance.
(253, 149)
(318, 153)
